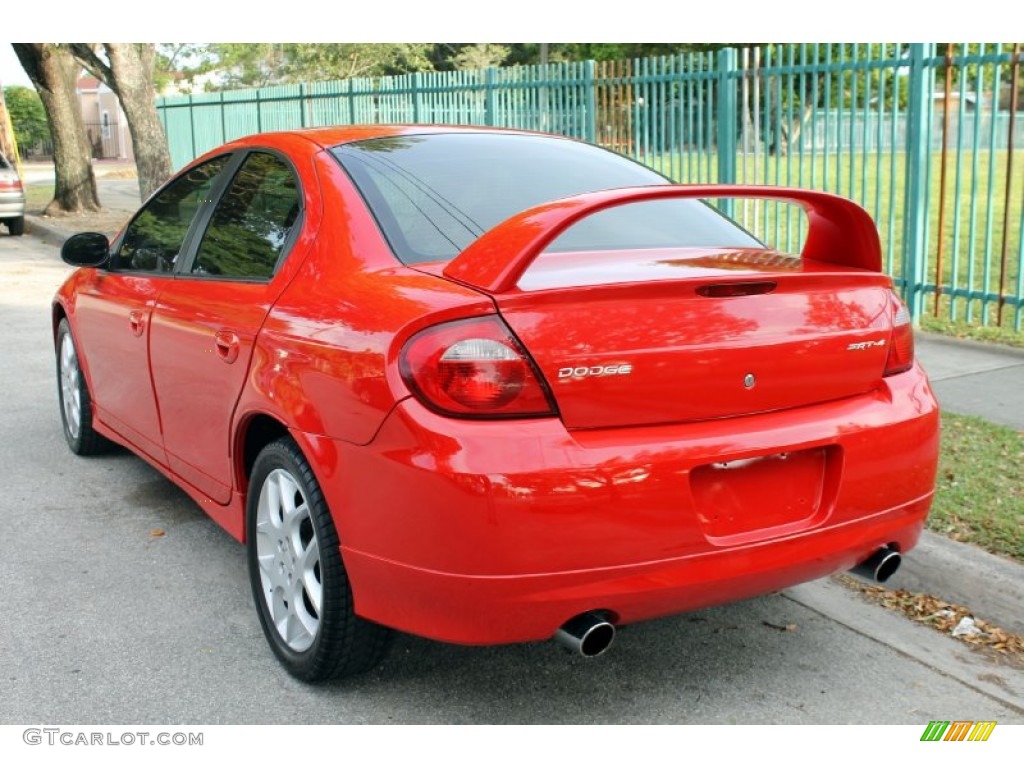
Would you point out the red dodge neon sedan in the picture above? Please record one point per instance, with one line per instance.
(490, 386)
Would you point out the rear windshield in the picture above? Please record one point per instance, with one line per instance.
(435, 194)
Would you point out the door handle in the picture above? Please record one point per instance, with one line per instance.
(137, 322)
(227, 344)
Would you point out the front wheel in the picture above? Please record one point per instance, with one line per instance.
(298, 580)
(75, 403)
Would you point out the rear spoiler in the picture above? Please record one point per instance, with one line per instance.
(840, 231)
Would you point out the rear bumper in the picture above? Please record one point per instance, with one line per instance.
(497, 532)
(11, 206)
(501, 609)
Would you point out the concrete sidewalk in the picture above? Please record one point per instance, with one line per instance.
(976, 379)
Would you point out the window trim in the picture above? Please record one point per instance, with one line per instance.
(183, 269)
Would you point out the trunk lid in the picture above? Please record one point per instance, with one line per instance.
(675, 335)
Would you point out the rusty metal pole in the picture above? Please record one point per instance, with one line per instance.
(1014, 86)
(942, 175)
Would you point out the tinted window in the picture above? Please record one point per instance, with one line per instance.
(152, 241)
(252, 221)
(433, 195)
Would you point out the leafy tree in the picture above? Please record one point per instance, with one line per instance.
(265, 64)
(178, 62)
(53, 71)
(481, 56)
(27, 115)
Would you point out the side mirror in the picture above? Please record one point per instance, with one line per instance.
(87, 249)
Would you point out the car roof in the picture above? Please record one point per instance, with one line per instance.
(346, 134)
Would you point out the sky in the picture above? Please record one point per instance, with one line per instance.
(11, 72)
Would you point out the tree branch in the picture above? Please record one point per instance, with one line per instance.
(87, 57)
(29, 55)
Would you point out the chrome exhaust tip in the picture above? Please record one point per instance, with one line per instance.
(589, 634)
(880, 566)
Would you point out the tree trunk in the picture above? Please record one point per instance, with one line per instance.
(53, 69)
(129, 74)
(791, 134)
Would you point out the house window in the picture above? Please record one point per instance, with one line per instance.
(105, 124)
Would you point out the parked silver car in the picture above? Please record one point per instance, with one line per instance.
(12, 198)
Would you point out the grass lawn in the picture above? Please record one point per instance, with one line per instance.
(36, 197)
(961, 330)
(980, 488)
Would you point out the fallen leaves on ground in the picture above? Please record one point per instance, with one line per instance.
(781, 627)
(943, 616)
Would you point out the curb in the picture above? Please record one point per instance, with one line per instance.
(991, 586)
(48, 233)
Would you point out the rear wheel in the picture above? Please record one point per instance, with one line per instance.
(298, 580)
(16, 227)
(75, 403)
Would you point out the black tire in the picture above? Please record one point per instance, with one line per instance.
(82, 439)
(340, 644)
(16, 227)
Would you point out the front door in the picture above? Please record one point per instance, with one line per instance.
(114, 312)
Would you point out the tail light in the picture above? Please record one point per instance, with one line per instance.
(901, 345)
(10, 184)
(474, 368)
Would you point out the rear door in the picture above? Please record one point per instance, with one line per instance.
(113, 312)
(205, 323)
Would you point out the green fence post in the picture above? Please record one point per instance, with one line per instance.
(416, 97)
(726, 123)
(490, 97)
(351, 102)
(590, 126)
(302, 105)
(192, 128)
(915, 212)
(223, 121)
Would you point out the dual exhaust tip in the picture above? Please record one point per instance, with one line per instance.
(880, 566)
(591, 634)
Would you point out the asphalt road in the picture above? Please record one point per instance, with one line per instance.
(105, 623)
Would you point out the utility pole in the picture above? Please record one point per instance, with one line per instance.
(8, 144)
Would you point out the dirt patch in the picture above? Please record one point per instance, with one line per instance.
(124, 173)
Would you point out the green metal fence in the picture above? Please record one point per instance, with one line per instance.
(925, 139)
